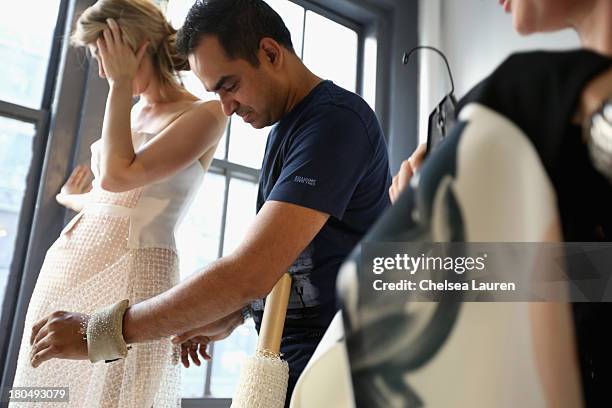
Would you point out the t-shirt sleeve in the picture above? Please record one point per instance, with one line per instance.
(325, 161)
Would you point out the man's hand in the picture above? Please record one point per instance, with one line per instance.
(192, 347)
(59, 335)
(198, 339)
(406, 171)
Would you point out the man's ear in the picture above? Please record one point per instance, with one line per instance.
(271, 52)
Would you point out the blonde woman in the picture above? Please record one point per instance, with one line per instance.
(148, 163)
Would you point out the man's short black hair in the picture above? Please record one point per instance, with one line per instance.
(239, 26)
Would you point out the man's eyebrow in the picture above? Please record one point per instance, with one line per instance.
(221, 82)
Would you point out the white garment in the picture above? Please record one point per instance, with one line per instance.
(121, 246)
(161, 205)
(326, 380)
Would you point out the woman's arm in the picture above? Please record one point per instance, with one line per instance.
(75, 192)
(185, 140)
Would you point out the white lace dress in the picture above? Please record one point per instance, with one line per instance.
(120, 246)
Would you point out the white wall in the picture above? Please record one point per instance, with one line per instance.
(476, 36)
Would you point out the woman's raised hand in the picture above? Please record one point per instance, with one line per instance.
(119, 61)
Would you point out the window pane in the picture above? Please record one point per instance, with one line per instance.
(192, 379)
(25, 41)
(15, 156)
(228, 358)
(195, 86)
(240, 212)
(197, 241)
(247, 144)
(369, 71)
(231, 352)
(197, 236)
(176, 11)
(293, 16)
(330, 50)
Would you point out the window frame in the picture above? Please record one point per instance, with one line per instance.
(41, 118)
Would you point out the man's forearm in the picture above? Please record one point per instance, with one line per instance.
(218, 290)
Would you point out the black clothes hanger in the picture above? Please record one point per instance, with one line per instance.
(443, 117)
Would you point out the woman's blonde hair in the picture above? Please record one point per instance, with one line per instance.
(140, 21)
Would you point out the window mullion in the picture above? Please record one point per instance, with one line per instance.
(360, 62)
(227, 139)
(207, 381)
(224, 215)
(208, 377)
(22, 113)
(303, 34)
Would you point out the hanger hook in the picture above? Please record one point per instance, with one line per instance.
(406, 58)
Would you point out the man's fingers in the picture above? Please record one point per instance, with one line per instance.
(40, 345)
(185, 360)
(36, 328)
(44, 355)
(193, 352)
(185, 355)
(203, 351)
(42, 333)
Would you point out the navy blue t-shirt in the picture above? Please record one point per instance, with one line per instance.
(327, 154)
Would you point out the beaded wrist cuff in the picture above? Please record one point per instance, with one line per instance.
(105, 333)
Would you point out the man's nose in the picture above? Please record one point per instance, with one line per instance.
(228, 104)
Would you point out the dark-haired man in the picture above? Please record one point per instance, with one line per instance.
(324, 182)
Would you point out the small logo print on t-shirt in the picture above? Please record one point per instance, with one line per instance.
(305, 180)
